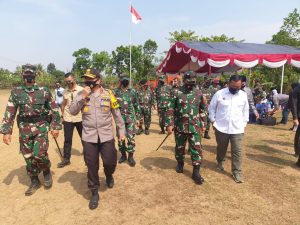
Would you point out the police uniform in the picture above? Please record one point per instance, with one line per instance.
(98, 112)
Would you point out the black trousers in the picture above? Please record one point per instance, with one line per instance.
(68, 133)
(91, 153)
(297, 141)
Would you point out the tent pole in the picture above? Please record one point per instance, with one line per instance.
(282, 73)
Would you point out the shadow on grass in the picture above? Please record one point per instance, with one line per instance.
(79, 182)
(270, 160)
(283, 143)
(267, 149)
(150, 163)
(20, 173)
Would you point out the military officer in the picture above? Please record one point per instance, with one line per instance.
(163, 93)
(184, 116)
(146, 101)
(130, 110)
(38, 114)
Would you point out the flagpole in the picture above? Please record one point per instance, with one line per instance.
(130, 83)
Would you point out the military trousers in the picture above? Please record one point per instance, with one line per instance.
(68, 135)
(146, 116)
(91, 153)
(34, 145)
(194, 146)
(130, 136)
(236, 141)
(162, 117)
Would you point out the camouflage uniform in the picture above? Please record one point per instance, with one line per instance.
(162, 95)
(130, 111)
(184, 114)
(35, 103)
(146, 101)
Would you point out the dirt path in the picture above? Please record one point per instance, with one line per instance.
(152, 192)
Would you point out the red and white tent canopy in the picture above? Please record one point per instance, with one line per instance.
(217, 57)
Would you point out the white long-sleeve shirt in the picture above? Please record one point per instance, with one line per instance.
(229, 113)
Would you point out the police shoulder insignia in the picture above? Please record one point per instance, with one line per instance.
(113, 101)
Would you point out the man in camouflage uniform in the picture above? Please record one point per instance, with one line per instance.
(38, 113)
(146, 101)
(184, 115)
(208, 92)
(130, 111)
(162, 95)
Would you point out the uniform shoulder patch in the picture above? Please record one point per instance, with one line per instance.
(113, 101)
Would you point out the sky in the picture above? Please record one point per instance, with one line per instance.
(49, 31)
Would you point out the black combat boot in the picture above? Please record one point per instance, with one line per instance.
(35, 184)
(94, 199)
(47, 179)
(140, 130)
(63, 163)
(179, 167)
(196, 175)
(147, 131)
(123, 157)
(110, 181)
(206, 135)
(131, 160)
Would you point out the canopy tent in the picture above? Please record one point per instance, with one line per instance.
(216, 57)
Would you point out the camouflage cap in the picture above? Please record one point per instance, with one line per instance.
(189, 75)
(28, 69)
(91, 73)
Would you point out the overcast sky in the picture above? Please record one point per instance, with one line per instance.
(44, 31)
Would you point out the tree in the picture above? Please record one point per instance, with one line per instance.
(182, 35)
(221, 38)
(82, 60)
(51, 68)
(100, 61)
(289, 33)
(40, 69)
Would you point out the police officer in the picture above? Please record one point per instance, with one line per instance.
(38, 114)
(146, 101)
(130, 111)
(162, 95)
(184, 116)
(98, 106)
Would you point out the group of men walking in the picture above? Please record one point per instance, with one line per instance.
(92, 108)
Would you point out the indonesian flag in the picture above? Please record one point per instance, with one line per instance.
(135, 17)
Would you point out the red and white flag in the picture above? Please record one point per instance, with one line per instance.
(135, 17)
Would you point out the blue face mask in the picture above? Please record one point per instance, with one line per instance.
(233, 90)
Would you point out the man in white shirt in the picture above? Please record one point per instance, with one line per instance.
(229, 114)
(58, 94)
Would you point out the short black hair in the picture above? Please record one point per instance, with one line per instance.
(57, 82)
(235, 78)
(69, 75)
(243, 78)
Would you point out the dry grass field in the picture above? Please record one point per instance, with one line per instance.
(152, 192)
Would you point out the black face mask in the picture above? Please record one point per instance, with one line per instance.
(90, 84)
(161, 82)
(125, 83)
(233, 90)
(29, 78)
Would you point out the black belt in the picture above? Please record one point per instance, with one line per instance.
(34, 119)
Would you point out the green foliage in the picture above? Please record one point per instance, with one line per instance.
(51, 68)
(82, 60)
(191, 36)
